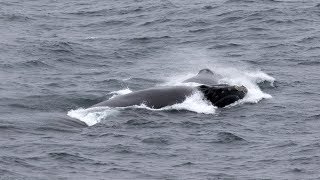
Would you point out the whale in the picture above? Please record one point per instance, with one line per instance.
(159, 97)
(205, 77)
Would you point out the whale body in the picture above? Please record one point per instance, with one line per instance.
(153, 97)
(219, 95)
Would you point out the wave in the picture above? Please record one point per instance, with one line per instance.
(231, 19)
(107, 23)
(253, 1)
(309, 39)
(227, 46)
(201, 30)
(310, 63)
(141, 122)
(33, 64)
(92, 13)
(57, 129)
(67, 157)
(227, 137)
(15, 17)
(57, 46)
(155, 22)
(120, 92)
(156, 140)
(184, 164)
(314, 117)
(148, 39)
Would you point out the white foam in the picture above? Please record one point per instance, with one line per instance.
(250, 80)
(92, 116)
(233, 76)
(177, 80)
(196, 103)
(120, 92)
(260, 76)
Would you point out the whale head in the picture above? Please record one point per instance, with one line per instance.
(223, 95)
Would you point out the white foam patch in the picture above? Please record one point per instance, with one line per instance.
(92, 116)
(120, 92)
(177, 80)
(232, 76)
(260, 76)
(196, 103)
(250, 80)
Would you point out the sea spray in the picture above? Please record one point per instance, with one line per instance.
(195, 102)
(94, 115)
(120, 92)
(249, 79)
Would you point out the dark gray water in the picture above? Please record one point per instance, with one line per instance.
(61, 57)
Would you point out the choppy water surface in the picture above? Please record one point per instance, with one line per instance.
(61, 57)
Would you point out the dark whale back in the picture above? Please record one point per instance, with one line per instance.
(219, 95)
(223, 95)
(154, 97)
(205, 76)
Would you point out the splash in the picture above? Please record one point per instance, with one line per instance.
(92, 116)
(232, 76)
(249, 79)
(120, 92)
(195, 103)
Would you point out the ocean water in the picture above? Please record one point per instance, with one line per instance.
(58, 58)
